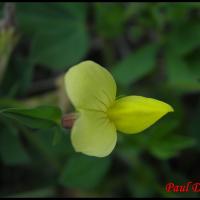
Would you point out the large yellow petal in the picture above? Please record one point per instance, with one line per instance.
(94, 134)
(90, 86)
(133, 114)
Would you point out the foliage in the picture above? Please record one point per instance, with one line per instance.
(152, 49)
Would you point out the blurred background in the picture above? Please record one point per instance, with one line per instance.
(152, 49)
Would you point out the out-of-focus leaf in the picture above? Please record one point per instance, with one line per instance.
(130, 146)
(142, 181)
(24, 72)
(183, 40)
(136, 32)
(106, 20)
(180, 76)
(134, 8)
(84, 172)
(175, 14)
(44, 151)
(7, 43)
(47, 17)
(60, 148)
(55, 30)
(193, 62)
(187, 5)
(39, 117)
(136, 65)
(193, 125)
(18, 76)
(171, 146)
(11, 150)
(9, 103)
(196, 69)
(58, 135)
(42, 117)
(59, 50)
(162, 140)
(8, 36)
(162, 129)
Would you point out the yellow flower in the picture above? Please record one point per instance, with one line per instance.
(92, 91)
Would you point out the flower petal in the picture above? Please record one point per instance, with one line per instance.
(94, 134)
(133, 114)
(90, 86)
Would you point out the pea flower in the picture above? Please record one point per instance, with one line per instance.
(92, 91)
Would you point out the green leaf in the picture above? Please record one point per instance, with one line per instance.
(142, 181)
(24, 75)
(11, 150)
(18, 76)
(135, 8)
(180, 76)
(136, 65)
(9, 103)
(49, 16)
(171, 146)
(39, 117)
(8, 41)
(184, 38)
(84, 172)
(193, 124)
(162, 140)
(58, 135)
(59, 33)
(105, 20)
(44, 151)
(59, 50)
(193, 62)
(165, 127)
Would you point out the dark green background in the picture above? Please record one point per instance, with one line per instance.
(152, 49)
